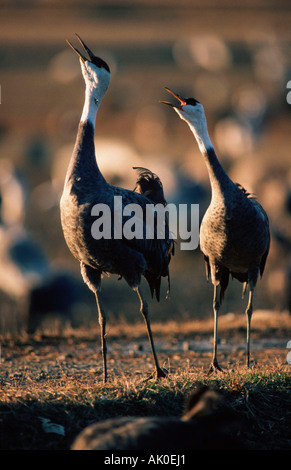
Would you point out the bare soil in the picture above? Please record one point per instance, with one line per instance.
(59, 379)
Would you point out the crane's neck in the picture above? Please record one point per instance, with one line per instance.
(91, 106)
(83, 170)
(219, 180)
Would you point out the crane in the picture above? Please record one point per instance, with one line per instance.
(84, 187)
(208, 423)
(234, 232)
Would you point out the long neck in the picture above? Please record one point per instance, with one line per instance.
(90, 107)
(219, 180)
(83, 168)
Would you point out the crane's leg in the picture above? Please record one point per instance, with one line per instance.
(253, 275)
(216, 306)
(102, 323)
(249, 311)
(159, 373)
(92, 277)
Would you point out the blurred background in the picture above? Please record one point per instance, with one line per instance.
(235, 59)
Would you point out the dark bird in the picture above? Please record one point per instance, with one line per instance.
(85, 187)
(208, 423)
(234, 232)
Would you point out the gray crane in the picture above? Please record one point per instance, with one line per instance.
(234, 232)
(208, 423)
(85, 187)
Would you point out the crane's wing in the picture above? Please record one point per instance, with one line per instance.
(150, 185)
(152, 238)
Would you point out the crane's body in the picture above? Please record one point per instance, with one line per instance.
(234, 233)
(234, 230)
(85, 187)
(207, 424)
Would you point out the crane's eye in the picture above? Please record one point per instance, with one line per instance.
(100, 63)
(191, 101)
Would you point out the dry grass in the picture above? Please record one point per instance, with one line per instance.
(59, 379)
(260, 397)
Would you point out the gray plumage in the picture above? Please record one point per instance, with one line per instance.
(85, 187)
(207, 423)
(150, 186)
(234, 233)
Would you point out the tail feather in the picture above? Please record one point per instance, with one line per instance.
(154, 284)
(150, 185)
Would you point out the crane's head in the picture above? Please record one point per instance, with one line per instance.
(189, 109)
(95, 71)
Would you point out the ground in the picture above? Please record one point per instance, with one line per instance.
(53, 379)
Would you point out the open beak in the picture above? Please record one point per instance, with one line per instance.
(178, 97)
(82, 57)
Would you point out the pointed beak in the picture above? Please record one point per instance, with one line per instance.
(178, 97)
(86, 48)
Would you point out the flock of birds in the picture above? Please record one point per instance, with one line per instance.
(234, 233)
(234, 240)
(33, 290)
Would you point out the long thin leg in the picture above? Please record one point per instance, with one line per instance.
(102, 323)
(253, 274)
(92, 278)
(216, 306)
(144, 311)
(249, 311)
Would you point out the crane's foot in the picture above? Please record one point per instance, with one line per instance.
(157, 374)
(100, 376)
(214, 367)
(250, 364)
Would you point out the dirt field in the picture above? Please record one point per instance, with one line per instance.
(48, 377)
